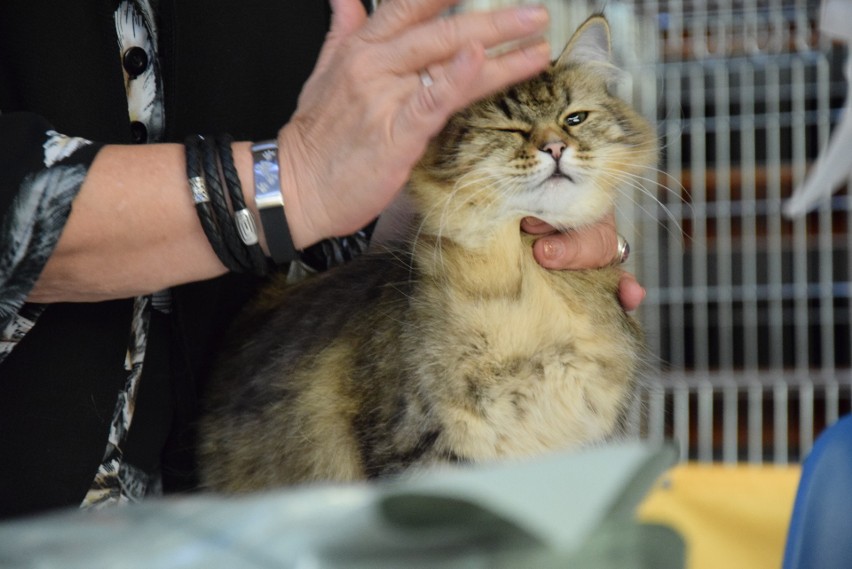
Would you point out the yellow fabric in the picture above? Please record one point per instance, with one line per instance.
(730, 517)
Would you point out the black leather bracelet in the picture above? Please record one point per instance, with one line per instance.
(270, 202)
(201, 198)
(244, 219)
(220, 206)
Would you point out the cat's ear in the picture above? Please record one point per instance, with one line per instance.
(591, 43)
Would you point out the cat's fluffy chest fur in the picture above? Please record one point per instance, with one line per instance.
(459, 347)
(517, 346)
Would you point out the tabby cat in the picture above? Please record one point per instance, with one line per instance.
(458, 347)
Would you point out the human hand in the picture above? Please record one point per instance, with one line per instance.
(366, 114)
(584, 248)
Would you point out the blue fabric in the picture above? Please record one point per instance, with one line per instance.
(820, 533)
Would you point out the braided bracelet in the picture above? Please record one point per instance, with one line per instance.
(220, 205)
(243, 217)
(201, 197)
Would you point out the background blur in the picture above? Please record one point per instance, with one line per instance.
(748, 312)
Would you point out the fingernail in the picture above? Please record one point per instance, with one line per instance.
(533, 15)
(552, 248)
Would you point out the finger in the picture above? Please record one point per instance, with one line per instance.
(441, 39)
(535, 226)
(468, 77)
(431, 106)
(509, 68)
(630, 292)
(585, 248)
(393, 17)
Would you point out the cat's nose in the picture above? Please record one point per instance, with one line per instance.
(555, 149)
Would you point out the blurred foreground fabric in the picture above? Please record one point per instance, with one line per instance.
(575, 509)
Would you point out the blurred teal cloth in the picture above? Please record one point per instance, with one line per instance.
(562, 510)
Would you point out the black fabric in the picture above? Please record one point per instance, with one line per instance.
(61, 60)
(57, 395)
(237, 67)
(155, 408)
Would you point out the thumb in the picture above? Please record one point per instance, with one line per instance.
(587, 247)
(346, 17)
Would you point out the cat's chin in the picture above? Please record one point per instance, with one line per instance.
(564, 203)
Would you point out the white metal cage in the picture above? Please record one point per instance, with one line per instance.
(747, 312)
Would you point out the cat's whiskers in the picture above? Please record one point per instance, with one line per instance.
(681, 193)
(425, 218)
(395, 253)
(464, 181)
(484, 182)
(635, 181)
(478, 178)
(415, 240)
(655, 182)
(630, 220)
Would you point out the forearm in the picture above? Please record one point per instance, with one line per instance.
(133, 228)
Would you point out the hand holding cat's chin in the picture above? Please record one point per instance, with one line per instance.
(584, 248)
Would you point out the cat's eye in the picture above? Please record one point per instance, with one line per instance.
(576, 118)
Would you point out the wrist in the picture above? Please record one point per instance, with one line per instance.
(306, 215)
(244, 161)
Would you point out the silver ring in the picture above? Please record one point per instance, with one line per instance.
(623, 249)
(426, 78)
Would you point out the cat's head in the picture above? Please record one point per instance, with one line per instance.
(557, 147)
